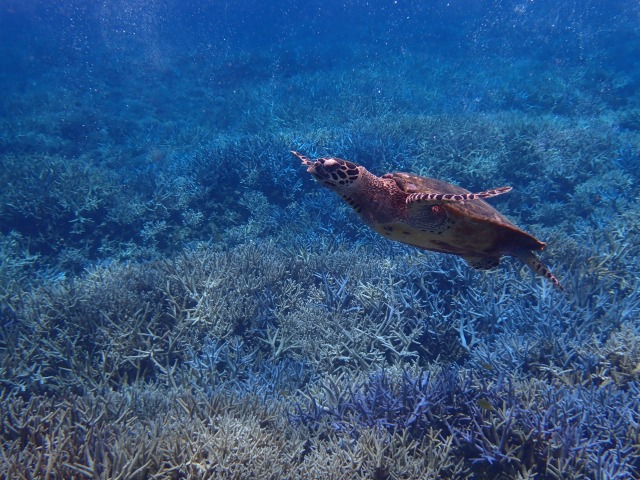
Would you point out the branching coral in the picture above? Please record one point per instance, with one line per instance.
(118, 436)
(177, 301)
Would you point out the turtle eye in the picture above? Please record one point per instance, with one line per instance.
(330, 165)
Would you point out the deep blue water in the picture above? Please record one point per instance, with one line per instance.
(144, 158)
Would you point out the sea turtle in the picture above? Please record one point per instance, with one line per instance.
(430, 214)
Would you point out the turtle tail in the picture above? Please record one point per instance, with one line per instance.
(539, 268)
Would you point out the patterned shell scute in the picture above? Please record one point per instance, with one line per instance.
(478, 209)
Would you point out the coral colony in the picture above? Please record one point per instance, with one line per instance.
(179, 299)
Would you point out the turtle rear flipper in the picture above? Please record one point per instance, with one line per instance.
(481, 262)
(440, 198)
(539, 268)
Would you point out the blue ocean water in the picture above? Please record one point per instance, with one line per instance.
(172, 281)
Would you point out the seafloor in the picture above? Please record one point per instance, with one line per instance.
(179, 299)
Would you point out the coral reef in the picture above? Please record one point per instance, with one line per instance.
(396, 355)
(178, 300)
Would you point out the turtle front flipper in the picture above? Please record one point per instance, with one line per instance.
(440, 198)
(539, 268)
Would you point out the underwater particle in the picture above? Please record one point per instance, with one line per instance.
(430, 214)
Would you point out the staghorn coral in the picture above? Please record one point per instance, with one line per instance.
(102, 202)
(379, 454)
(271, 323)
(115, 436)
(187, 365)
(502, 428)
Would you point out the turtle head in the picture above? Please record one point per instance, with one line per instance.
(333, 173)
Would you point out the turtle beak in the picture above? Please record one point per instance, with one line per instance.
(312, 167)
(305, 160)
